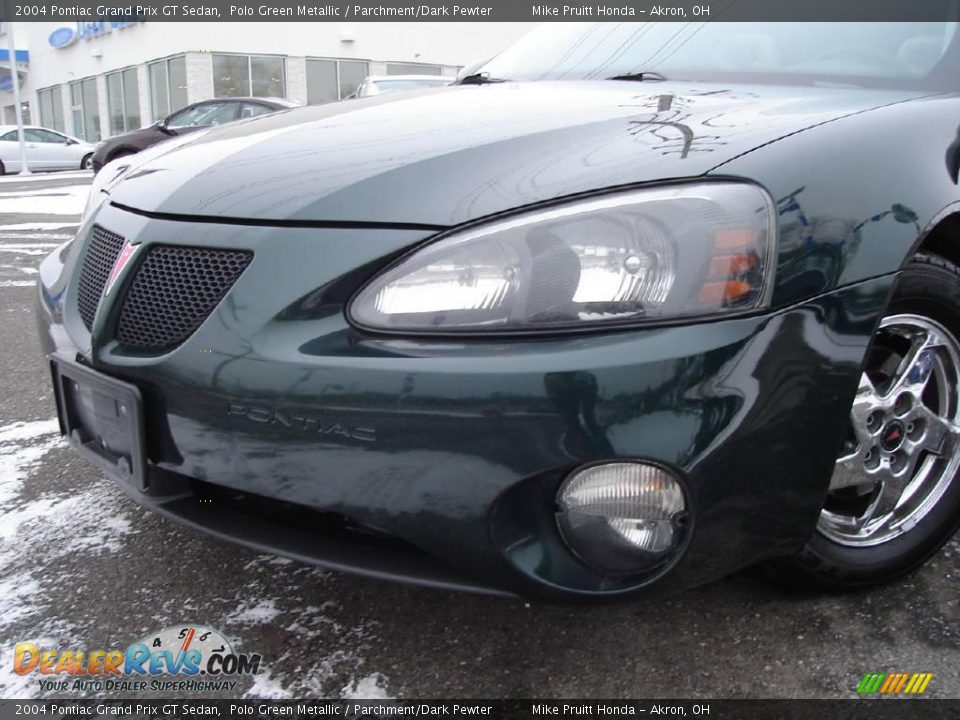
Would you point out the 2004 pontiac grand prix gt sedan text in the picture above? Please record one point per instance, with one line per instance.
(627, 308)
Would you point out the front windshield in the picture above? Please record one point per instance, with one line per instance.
(919, 54)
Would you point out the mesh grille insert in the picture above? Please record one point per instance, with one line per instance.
(102, 251)
(173, 292)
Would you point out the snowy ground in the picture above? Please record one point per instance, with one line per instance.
(81, 566)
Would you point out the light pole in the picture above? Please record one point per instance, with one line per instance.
(15, 81)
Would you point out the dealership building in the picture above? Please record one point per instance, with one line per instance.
(94, 80)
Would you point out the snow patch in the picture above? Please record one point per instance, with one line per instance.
(61, 190)
(67, 200)
(39, 226)
(265, 687)
(370, 687)
(46, 177)
(31, 249)
(60, 525)
(18, 431)
(255, 613)
(22, 446)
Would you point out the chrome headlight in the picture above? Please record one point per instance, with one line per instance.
(668, 252)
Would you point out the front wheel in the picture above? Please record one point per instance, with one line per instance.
(894, 497)
(87, 162)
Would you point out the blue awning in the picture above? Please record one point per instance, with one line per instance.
(22, 56)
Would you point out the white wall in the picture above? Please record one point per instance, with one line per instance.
(437, 43)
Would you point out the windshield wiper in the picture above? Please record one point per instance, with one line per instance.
(480, 78)
(640, 76)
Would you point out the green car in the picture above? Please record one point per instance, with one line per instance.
(625, 309)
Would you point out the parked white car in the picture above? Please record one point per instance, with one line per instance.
(381, 84)
(46, 150)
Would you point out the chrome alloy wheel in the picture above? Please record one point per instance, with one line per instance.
(903, 445)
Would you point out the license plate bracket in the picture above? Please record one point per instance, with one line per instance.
(102, 418)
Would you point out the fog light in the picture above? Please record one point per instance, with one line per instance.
(622, 516)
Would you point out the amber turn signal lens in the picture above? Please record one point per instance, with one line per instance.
(726, 266)
(725, 292)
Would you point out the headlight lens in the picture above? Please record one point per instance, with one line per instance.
(659, 253)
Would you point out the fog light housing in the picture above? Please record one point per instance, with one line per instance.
(623, 517)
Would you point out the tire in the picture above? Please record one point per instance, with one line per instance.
(87, 162)
(898, 431)
(3, 170)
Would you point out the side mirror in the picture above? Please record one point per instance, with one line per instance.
(71, 141)
(162, 127)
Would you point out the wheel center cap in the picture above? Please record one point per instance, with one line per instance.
(892, 436)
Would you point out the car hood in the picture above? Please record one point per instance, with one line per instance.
(149, 132)
(449, 155)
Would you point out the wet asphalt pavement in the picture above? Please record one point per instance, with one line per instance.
(82, 566)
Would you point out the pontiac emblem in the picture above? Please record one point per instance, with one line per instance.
(123, 259)
(320, 425)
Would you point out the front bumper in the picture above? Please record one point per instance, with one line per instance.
(438, 462)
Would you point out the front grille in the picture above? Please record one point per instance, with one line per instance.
(174, 290)
(102, 251)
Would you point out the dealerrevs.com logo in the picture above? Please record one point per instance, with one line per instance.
(188, 657)
(898, 683)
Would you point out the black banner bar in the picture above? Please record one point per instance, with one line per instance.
(860, 709)
(477, 10)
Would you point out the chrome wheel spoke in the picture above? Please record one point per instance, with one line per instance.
(891, 493)
(915, 368)
(865, 403)
(849, 469)
(848, 472)
(939, 434)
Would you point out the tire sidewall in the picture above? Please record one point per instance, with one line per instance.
(928, 286)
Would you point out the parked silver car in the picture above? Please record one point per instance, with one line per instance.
(46, 150)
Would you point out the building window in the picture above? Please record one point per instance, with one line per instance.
(123, 99)
(330, 80)
(267, 77)
(51, 108)
(413, 69)
(168, 86)
(248, 76)
(85, 109)
(231, 75)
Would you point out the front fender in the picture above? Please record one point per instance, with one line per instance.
(856, 195)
